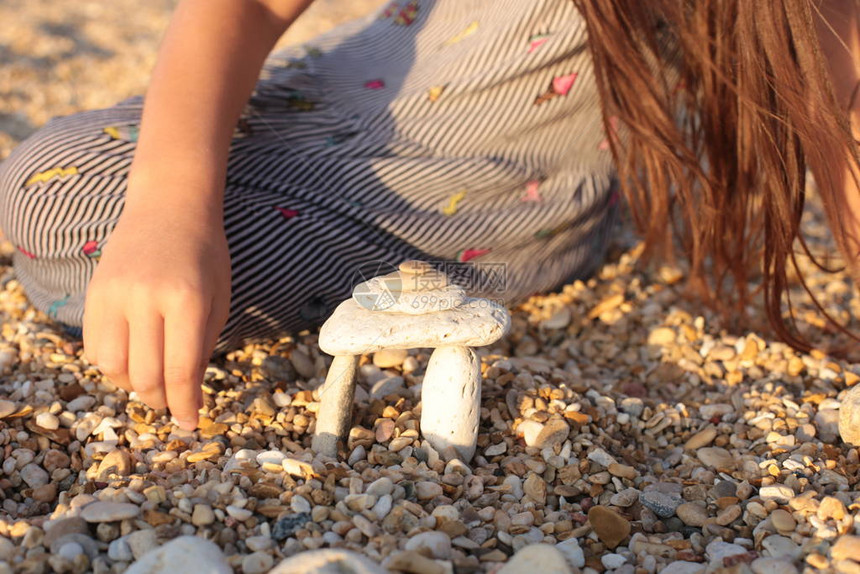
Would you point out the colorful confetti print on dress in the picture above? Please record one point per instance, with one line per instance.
(53, 173)
(560, 86)
(454, 203)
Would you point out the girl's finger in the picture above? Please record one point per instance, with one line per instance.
(145, 357)
(111, 348)
(184, 353)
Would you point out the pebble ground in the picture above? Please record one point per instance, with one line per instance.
(621, 425)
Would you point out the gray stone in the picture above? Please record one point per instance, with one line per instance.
(633, 406)
(827, 423)
(259, 543)
(386, 386)
(572, 552)
(279, 368)
(120, 551)
(724, 488)
(718, 550)
(381, 486)
(661, 503)
(780, 547)
(109, 511)
(601, 457)
(303, 364)
(34, 475)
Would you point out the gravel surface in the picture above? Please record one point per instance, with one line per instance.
(622, 427)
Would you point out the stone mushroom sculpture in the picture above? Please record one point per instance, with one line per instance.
(414, 307)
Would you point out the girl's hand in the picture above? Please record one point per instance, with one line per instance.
(157, 303)
(160, 295)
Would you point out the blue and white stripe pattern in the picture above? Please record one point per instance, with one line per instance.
(447, 130)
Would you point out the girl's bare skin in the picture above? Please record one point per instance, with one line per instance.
(161, 293)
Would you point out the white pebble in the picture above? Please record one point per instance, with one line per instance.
(275, 457)
(259, 543)
(70, 550)
(300, 504)
(47, 421)
(612, 561)
(282, 399)
(82, 403)
(240, 514)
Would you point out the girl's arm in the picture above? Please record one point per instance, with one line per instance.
(160, 295)
(207, 67)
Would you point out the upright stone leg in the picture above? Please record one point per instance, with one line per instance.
(849, 417)
(336, 397)
(451, 400)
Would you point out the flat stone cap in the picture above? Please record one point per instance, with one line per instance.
(354, 330)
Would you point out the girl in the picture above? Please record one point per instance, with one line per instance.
(450, 130)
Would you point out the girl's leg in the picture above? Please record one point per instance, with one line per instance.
(62, 191)
(418, 135)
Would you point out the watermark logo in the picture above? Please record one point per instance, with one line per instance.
(428, 286)
(365, 290)
(478, 277)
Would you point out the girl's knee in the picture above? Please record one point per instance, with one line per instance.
(61, 192)
(28, 177)
(67, 173)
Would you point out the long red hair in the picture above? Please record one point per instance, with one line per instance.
(723, 105)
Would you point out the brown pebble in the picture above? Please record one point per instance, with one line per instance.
(611, 528)
(55, 459)
(64, 526)
(622, 471)
(846, 548)
(494, 556)
(45, 493)
(535, 488)
(831, 507)
(692, 514)
(116, 462)
(729, 515)
(701, 439)
(554, 432)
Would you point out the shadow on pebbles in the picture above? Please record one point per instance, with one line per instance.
(621, 429)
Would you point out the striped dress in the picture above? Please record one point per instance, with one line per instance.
(464, 132)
